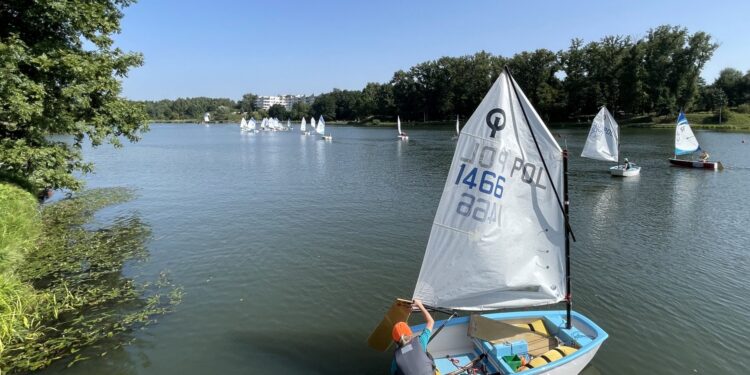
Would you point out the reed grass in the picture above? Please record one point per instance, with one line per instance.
(69, 293)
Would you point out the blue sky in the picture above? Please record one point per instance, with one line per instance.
(224, 48)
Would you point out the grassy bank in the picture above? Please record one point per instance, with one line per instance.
(62, 289)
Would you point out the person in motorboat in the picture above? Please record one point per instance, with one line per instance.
(627, 164)
(411, 357)
(704, 156)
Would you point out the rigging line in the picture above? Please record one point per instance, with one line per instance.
(539, 150)
(445, 322)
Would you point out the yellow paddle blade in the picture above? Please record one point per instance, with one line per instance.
(380, 338)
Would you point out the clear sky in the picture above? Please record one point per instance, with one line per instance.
(224, 48)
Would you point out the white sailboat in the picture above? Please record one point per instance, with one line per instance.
(603, 143)
(321, 129)
(685, 143)
(401, 135)
(251, 126)
(243, 125)
(264, 124)
(500, 239)
(289, 125)
(206, 118)
(458, 129)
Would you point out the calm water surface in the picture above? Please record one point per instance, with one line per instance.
(290, 248)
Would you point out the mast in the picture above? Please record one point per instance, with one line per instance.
(566, 200)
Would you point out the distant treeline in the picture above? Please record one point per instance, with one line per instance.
(657, 74)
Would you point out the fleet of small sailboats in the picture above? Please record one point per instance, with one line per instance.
(603, 143)
(505, 199)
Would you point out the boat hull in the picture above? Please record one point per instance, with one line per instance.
(452, 345)
(711, 165)
(620, 171)
(403, 137)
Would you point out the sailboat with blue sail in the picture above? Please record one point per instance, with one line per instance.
(685, 143)
(500, 240)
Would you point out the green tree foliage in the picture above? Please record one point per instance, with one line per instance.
(247, 103)
(278, 111)
(60, 74)
(300, 110)
(732, 83)
(324, 105)
(190, 108)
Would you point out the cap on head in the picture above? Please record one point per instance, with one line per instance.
(400, 329)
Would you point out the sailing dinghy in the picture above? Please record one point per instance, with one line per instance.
(321, 129)
(500, 239)
(458, 129)
(303, 127)
(207, 118)
(603, 143)
(401, 135)
(243, 125)
(685, 143)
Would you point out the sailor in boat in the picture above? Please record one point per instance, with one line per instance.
(411, 357)
(704, 156)
(627, 164)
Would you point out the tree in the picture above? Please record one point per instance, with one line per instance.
(247, 103)
(324, 105)
(278, 111)
(730, 81)
(61, 74)
(300, 110)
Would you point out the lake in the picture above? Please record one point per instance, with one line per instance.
(290, 249)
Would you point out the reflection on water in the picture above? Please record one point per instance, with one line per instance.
(290, 248)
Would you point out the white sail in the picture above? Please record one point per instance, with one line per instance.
(498, 238)
(684, 139)
(603, 140)
(289, 124)
(398, 123)
(243, 124)
(264, 123)
(312, 123)
(303, 126)
(207, 117)
(321, 129)
(458, 130)
(251, 124)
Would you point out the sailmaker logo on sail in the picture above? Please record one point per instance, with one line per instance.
(496, 121)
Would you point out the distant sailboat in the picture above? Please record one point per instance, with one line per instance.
(251, 126)
(401, 135)
(458, 129)
(603, 143)
(321, 129)
(243, 125)
(289, 125)
(264, 124)
(303, 127)
(206, 118)
(685, 143)
(500, 240)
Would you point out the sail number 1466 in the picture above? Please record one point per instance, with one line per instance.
(479, 208)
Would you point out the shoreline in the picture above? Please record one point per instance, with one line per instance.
(416, 125)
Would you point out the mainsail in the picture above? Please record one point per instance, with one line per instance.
(243, 124)
(458, 130)
(251, 124)
(498, 239)
(604, 136)
(684, 139)
(321, 129)
(303, 126)
(398, 123)
(289, 124)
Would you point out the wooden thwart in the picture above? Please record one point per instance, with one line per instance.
(380, 338)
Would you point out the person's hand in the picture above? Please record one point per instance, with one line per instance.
(417, 305)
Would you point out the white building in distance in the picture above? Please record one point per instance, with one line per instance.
(287, 101)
